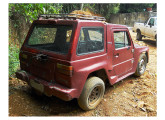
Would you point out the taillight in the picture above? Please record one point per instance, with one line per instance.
(67, 70)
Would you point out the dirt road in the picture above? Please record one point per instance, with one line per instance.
(130, 97)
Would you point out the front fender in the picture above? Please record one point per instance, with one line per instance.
(139, 50)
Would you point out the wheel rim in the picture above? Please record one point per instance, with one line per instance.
(142, 65)
(94, 95)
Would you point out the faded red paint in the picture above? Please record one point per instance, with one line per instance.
(69, 87)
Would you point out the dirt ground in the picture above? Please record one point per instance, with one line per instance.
(130, 97)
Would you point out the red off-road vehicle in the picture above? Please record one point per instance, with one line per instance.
(73, 56)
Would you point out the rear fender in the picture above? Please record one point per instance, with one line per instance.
(85, 72)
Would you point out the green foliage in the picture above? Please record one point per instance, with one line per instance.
(68, 8)
(107, 9)
(13, 59)
(128, 8)
(103, 9)
(31, 11)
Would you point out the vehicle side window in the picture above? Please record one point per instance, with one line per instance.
(90, 40)
(68, 35)
(121, 39)
(151, 22)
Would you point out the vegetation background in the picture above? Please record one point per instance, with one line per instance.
(22, 15)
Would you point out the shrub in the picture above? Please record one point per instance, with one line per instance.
(13, 60)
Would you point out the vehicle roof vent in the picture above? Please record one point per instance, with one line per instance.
(70, 17)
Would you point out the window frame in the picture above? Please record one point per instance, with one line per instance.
(128, 38)
(103, 39)
(150, 22)
(49, 51)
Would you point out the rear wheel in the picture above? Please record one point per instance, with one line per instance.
(138, 35)
(141, 67)
(92, 93)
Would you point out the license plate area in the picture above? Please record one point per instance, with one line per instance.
(37, 86)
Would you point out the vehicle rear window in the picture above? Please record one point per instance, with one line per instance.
(51, 37)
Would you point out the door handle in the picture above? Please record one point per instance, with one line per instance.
(117, 55)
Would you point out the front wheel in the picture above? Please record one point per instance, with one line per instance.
(142, 63)
(92, 93)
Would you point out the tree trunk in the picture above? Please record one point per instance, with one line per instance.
(82, 4)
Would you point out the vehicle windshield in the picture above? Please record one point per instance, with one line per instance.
(51, 37)
(156, 21)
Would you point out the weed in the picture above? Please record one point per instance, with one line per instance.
(13, 60)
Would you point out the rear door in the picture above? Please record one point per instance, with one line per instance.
(123, 51)
(45, 44)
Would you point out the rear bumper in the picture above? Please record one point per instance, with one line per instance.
(48, 88)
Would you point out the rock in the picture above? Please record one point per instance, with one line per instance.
(143, 109)
(140, 104)
(133, 104)
(147, 84)
(127, 95)
(148, 76)
(46, 107)
(131, 82)
(142, 77)
(135, 99)
(150, 109)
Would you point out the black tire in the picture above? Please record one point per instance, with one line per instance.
(156, 37)
(141, 67)
(92, 93)
(138, 35)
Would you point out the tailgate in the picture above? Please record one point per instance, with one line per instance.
(43, 68)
